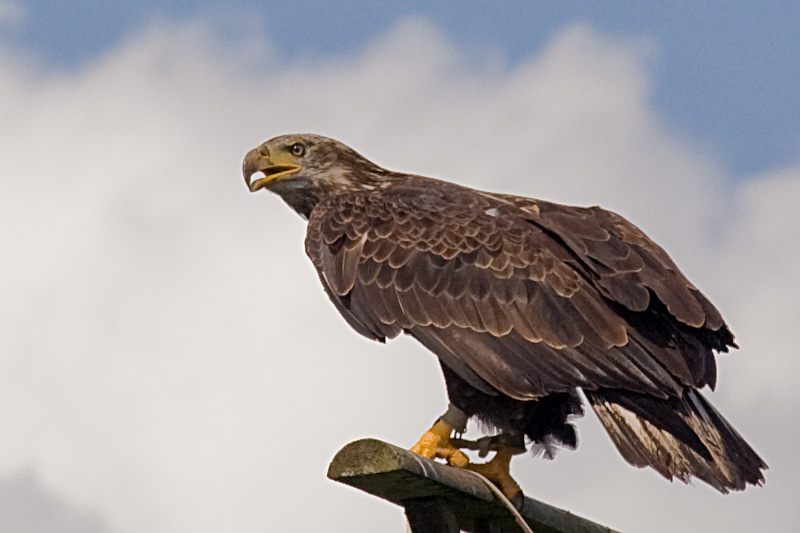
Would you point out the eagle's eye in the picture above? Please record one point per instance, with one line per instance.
(297, 149)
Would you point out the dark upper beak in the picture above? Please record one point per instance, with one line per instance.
(256, 160)
(273, 167)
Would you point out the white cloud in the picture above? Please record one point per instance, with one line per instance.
(26, 505)
(167, 357)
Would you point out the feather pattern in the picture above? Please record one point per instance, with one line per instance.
(524, 302)
(530, 303)
(565, 277)
(680, 438)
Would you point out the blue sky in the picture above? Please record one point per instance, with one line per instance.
(725, 74)
(166, 351)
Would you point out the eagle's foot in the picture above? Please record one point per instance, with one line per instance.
(493, 443)
(435, 443)
(497, 471)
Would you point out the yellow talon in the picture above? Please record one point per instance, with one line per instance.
(435, 443)
(497, 471)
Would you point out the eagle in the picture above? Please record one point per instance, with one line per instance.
(530, 306)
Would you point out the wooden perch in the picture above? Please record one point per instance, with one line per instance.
(442, 499)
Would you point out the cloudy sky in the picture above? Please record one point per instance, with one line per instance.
(168, 361)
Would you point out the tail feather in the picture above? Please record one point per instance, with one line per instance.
(679, 437)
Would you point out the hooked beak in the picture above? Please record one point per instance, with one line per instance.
(258, 161)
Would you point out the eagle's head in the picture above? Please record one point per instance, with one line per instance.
(304, 169)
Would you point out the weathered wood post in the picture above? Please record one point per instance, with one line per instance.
(441, 499)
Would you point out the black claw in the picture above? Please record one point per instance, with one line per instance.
(518, 501)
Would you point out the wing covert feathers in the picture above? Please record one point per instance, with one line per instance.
(533, 297)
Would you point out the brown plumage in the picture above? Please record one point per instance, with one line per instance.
(523, 301)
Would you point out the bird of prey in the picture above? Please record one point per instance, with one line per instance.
(525, 303)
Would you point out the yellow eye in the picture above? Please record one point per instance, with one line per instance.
(297, 149)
